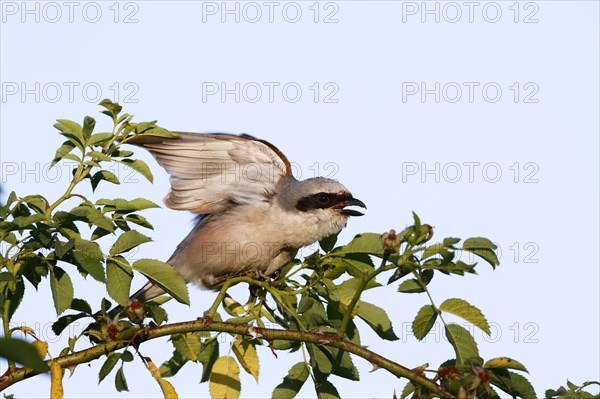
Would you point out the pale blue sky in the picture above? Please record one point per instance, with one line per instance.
(484, 122)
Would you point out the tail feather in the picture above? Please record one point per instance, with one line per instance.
(147, 292)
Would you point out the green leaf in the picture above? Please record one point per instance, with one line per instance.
(72, 131)
(64, 321)
(367, 243)
(164, 276)
(424, 321)
(225, 379)
(292, 382)
(247, 356)
(450, 241)
(90, 264)
(188, 345)
(319, 360)
(463, 343)
(62, 151)
(127, 241)
(88, 127)
(139, 166)
(81, 306)
(113, 108)
(122, 206)
(108, 365)
(461, 308)
(62, 289)
(408, 389)
(208, 356)
(377, 319)
(93, 216)
(512, 383)
(118, 279)
(172, 366)
(155, 131)
(326, 390)
(104, 175)
(413, 286)
(483, 248)
(120, 381)
(328, 242)
(99, 139)
(23, 353)
(504, 362)
(158, 314)
(139, 220)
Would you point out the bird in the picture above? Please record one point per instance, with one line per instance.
(253, 214)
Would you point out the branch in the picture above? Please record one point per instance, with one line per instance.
(13, 376)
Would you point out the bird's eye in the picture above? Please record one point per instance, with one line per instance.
(323, 198)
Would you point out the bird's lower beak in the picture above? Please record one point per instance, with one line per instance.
(352, 212)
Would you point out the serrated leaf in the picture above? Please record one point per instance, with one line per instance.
(377, 319)
(156, 131)
(139, 166)
(292, 382)
(188, 345)
(113, 108)
(413, 286)
(108, 365)
(120, 381)
(367, 243)
(64, 321)
(208, 356)
(139, 220)
(319, 360)
(99, 139)
(461, 308)
(407, 390)
(88, 127)
(165, 386)
(72, 131)
(247, 356)
(62, 152)
(90, 264)
(225, 379)
(23, 353)
(512, 383)
(118, 280)
(326, 390)
(463, 343)
(104, 175)
(504, 362)
(172, 366)
(424, 321)
(328, 242)
(165, 276)
(81, 306)
(483, 248)
(127, 241)
(62, 289)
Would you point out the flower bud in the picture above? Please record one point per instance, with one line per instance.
(135, 311)
(391, 242)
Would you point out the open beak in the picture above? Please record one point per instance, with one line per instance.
(352, 212)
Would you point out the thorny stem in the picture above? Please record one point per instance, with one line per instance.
(13, 376)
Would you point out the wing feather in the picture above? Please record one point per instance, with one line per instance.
(212, 172)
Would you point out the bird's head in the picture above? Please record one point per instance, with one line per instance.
(322, 201)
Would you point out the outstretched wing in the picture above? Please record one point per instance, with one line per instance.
(212, 172)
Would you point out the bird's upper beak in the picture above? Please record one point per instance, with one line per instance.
(352, 202)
